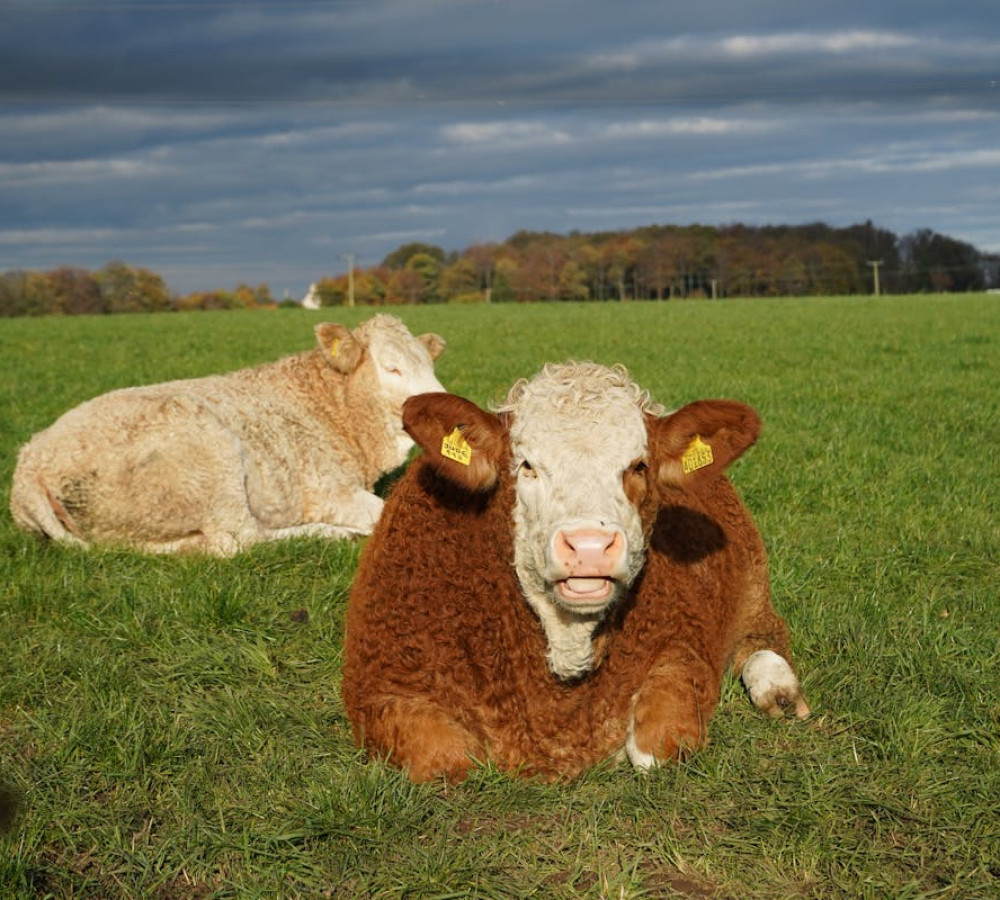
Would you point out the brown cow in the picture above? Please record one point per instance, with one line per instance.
(564, 580)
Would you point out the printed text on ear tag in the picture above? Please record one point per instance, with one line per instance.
(697, 456)
(456, 447)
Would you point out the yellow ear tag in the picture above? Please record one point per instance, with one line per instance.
(335, 347)
(456, 447)
(697, 456)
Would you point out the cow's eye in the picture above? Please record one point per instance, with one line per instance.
(635, 481)
(392, 370)
(527, 470)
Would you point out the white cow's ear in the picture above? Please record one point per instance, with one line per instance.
(697, 442)
(434, 343)
(461, 441)
(339, 346)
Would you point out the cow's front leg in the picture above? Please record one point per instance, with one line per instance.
(773, 685)
(670, 712)
(359, 511)
(420, 737)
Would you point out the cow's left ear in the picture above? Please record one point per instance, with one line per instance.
(339, 346)
(462, 442)
(434, 343)
(698, 441)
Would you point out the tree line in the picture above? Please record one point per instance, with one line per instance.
(666, 261)
(655, 262)
(116, 288)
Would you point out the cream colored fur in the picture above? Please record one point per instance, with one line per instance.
(220, 463)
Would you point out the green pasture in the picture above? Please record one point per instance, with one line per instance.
(173, 726)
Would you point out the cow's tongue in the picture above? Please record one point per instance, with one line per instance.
(585, 588)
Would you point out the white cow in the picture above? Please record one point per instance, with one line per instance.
(216, 464)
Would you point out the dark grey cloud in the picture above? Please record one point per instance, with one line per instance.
(224, 141)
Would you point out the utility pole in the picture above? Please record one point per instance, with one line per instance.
(350, 257)
(875, 263)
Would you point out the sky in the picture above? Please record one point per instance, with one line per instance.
(220, 142)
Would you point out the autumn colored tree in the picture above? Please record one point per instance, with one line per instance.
(461, 280)
(401, 257)
(127, 289)
(404, 286)
(332, 291)
(370, 286)
(76, 291)
(428, 267)
(483, 258)
(27, 294)
(573, 282)
(657, 266)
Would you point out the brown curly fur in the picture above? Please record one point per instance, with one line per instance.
(445, 663)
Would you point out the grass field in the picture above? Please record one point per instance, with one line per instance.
(174, 726)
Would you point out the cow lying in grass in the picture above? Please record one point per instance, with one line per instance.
(560, 581)
(216, 464)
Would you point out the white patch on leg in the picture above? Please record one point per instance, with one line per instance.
(772, 684)
(642, 760)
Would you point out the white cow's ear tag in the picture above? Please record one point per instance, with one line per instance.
(697, 456)
(456, 447)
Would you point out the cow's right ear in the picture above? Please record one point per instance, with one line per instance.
(462, 442)
(339, 346)
(695, 444)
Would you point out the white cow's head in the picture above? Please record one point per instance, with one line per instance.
(387, 364)
(587, 455)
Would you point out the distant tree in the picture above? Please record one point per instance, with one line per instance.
(10, 294)
(370, 286)
(533, 273)
(657, 266)
(506, 268)
(257, 296)
(591, 262)
(209, 300)
(77, 291)
(794, 276)
(404, 286)
(620, 256)
(125, 289)
(832, 270)
(460, 279)
(933, 262)
(332, 291)
(573, 282)
(401, 257)
(27, 294)
(483, 258)
(428, 267)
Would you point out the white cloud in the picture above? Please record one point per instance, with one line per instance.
(505, 135)
(78, 170)
(351, 131)
(412, 234)
(467, 187)
(870, 45)
(699, 126)
(837, 42)
(33, 237)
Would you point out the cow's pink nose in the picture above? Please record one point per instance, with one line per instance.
(589, 549)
